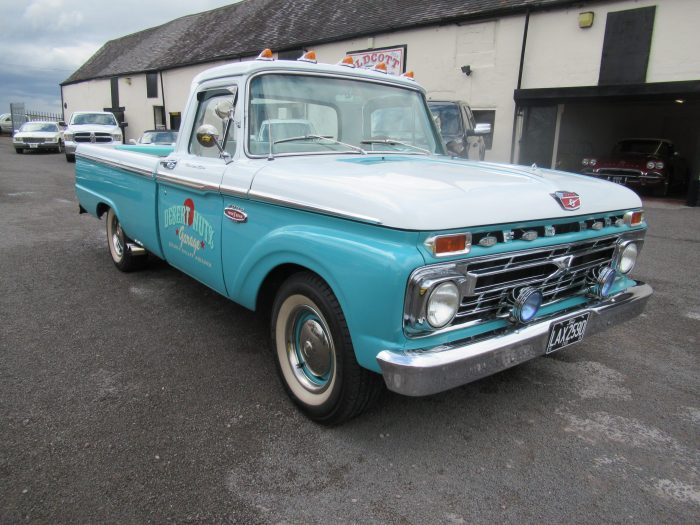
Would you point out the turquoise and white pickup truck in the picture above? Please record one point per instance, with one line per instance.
(380, 259)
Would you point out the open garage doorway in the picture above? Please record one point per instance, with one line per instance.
(562, 127)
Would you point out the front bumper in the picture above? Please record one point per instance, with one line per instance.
(36, 145)
(431, 370)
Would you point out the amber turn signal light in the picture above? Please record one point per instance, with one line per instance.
(266, 54)
(309, 56)
(442, 245)
(347, 61)
(634, 218)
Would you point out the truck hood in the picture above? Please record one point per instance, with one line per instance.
(429, 193)
(77, 128)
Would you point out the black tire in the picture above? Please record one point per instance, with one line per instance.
(118, 249)
(59, 149)
(70, 158)
(314, 353)
(19, 151)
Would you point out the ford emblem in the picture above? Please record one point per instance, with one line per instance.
(235, 214)
(568, 199)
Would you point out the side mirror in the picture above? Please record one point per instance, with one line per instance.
(61, 123)
(132, 141)
(224, 109)
(482, 129)
(207, 136)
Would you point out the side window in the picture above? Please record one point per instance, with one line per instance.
(207, 114)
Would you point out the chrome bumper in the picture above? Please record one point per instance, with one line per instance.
(431, 370)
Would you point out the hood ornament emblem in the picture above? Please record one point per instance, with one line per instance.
(567, 200)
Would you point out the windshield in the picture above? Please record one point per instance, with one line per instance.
(642, 147)
(334, 115)
(39, 126)
(446, 117)
(158, 137)
(103, 119)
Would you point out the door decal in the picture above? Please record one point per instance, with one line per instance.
(193, 231)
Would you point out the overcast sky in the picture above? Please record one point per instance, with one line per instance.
(44, 41)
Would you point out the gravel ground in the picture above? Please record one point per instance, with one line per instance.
(146, 397)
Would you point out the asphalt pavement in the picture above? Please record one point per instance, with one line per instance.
(148, 398)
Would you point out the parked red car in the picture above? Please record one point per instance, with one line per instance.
(639, 163)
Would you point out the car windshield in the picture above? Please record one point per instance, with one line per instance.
(641, 147)
(446, 117)
(158, 137)
(334, 115)
(39, 126)
(103, 119)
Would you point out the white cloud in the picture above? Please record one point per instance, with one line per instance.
(52, 16)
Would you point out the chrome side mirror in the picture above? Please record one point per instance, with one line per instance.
(224, 109)
(482, 129)
(207, 136)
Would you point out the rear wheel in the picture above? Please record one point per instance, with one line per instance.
(314, 353)
(117, 240)
(70, 158)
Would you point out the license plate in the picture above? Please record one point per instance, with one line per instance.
(617, 180)
(567, 332)
(32, 145)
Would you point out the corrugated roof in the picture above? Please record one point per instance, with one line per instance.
(245, 28)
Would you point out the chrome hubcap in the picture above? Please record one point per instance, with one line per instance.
(117, 236)
(310, 349)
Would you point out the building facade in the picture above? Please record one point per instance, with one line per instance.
(558, 80)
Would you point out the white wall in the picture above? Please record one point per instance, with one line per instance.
(92, 95)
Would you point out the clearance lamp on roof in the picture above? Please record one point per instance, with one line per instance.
(266, 54)
(309, 56)
(347, 62)
(381, 67)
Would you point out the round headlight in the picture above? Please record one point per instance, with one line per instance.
(584, 162)
(659, 165)
(604, 282)
(650, 165)
(526, 306)
(443, 304)
(628, 258)
(594, 162)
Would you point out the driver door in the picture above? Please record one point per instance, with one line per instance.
(190, 206)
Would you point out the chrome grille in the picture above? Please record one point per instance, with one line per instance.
(559, 272)
(33, 140)
(88, 137)
(620, 172)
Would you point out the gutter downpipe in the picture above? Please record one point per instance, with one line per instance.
(162, 99)
(520, 81)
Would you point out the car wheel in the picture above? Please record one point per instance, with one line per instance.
(314, 353)
(117, 240)
(70, 158)
(19, 150)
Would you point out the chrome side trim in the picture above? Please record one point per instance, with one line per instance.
(137, 170)
(282, 201)
(188, 183)
(431, 370)
(233, 192)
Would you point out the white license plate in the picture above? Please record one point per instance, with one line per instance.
(567, 332)
(33, 145)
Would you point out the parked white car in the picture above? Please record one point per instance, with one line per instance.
(6, 123)
(44, 135)
(95, 127)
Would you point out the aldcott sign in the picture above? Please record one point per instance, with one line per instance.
(393, 57)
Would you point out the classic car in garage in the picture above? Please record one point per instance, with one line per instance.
(640, 163)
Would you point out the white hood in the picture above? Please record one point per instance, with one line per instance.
(78, 128)
(37, 134)
(429, 194)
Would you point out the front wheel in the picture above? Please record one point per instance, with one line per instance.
(19, 151)
(70, 157)
(314, 353)
(117, 240)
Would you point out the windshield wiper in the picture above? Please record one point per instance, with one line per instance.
(393, 142)
(321, 137)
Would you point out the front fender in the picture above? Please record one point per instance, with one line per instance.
(367, 267)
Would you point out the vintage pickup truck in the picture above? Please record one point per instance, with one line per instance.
(380, 259)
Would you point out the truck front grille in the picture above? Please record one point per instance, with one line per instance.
(97, 137)
(559, 272)
(33, 140)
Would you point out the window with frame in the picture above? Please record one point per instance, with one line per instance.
(206, 114)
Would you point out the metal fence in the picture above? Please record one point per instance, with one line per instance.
(43, 115)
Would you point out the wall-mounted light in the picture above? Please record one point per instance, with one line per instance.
(128, 80)
(679, 101)
(467, 70)
(585, 20)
